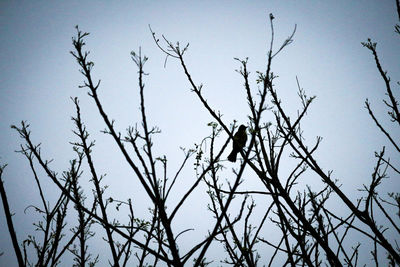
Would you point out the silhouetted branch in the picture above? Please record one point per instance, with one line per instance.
(309, 231)
(10, 224)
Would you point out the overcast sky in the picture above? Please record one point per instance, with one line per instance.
(38, 76)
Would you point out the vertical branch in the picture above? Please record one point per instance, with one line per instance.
(393, 105)
(140, 61)
(158, 200)
(10, 224)
(87, 149)
(82, 230)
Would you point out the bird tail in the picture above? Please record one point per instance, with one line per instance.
(232, 156)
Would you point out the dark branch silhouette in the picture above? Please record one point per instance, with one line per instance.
(310, 231)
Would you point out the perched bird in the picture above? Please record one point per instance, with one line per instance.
(239, 141)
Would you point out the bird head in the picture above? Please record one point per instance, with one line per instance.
(242, 127)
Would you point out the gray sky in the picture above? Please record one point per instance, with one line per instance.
(38, 76)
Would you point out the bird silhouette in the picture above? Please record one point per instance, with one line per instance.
(239, 141)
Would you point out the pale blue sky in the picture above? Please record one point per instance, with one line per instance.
(38, 76)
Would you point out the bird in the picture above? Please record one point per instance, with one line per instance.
(239, 141)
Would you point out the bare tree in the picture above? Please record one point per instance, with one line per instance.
(311, 233)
